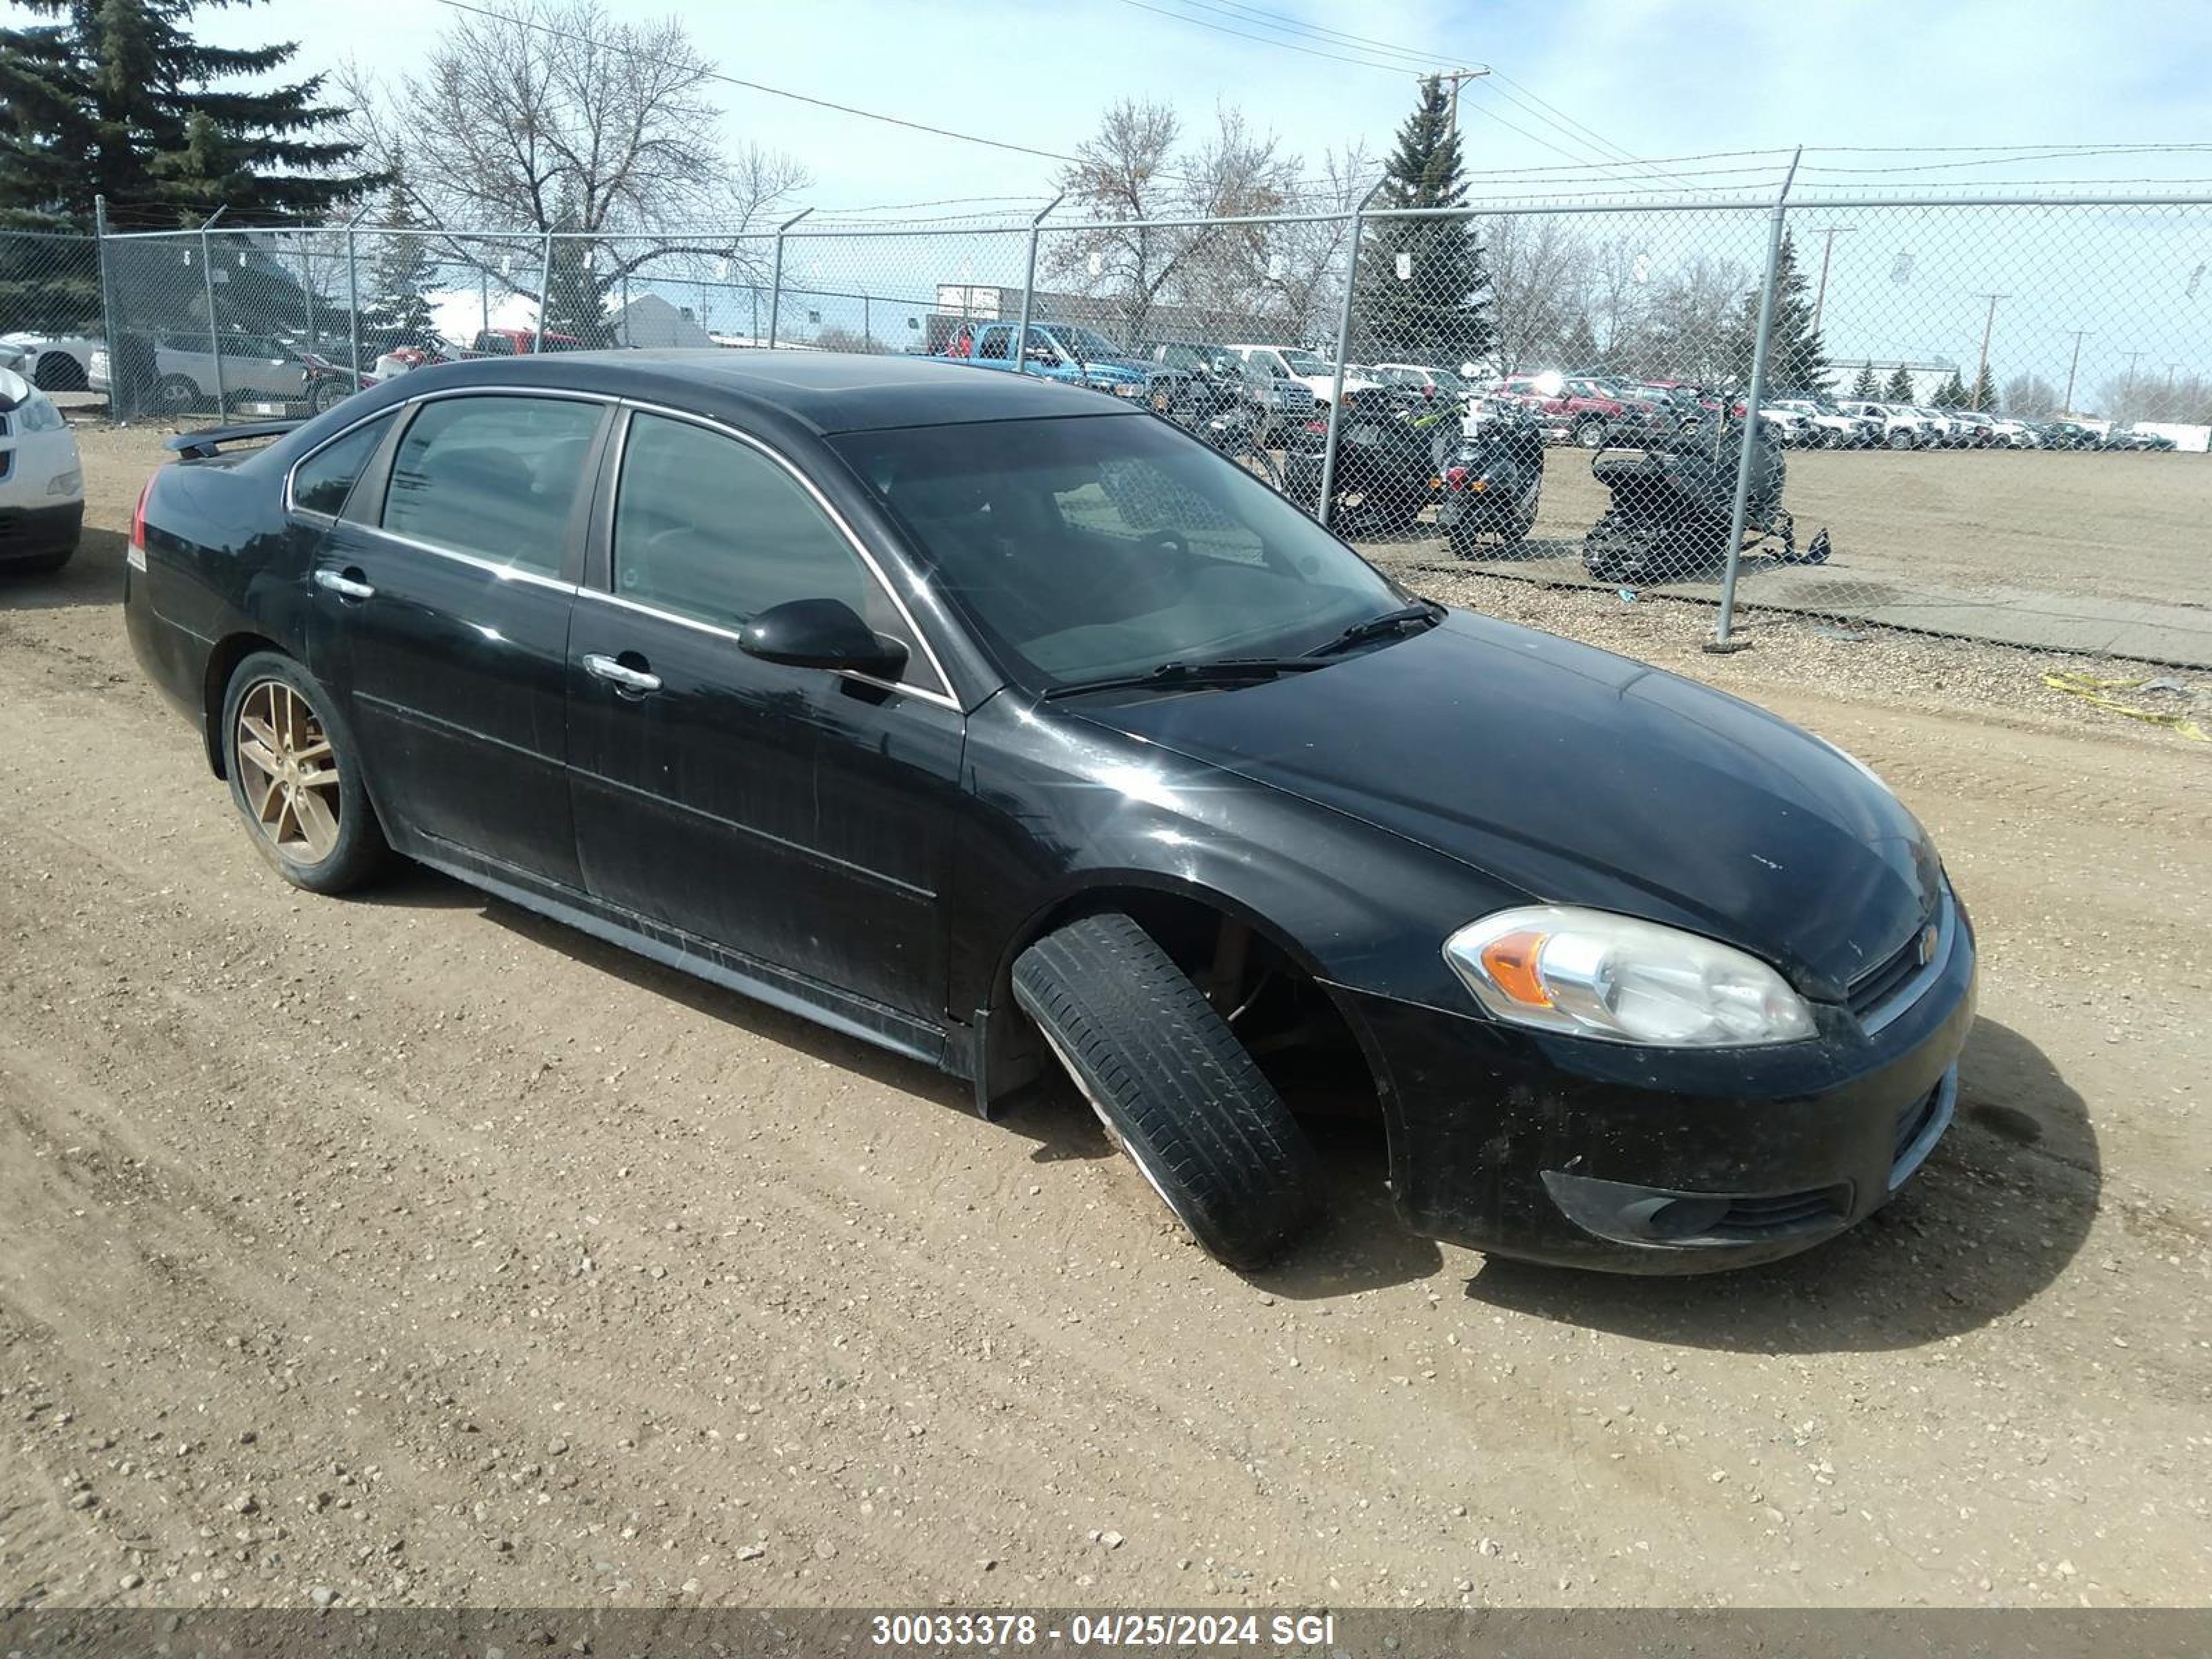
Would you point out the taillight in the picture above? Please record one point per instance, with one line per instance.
(1319, 429)
(1454, 477)
(138, 518)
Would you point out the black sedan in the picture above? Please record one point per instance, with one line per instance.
(1011, 728)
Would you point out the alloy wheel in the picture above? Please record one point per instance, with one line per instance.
(289, 772)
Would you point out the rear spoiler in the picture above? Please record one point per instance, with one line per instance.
(203, 445)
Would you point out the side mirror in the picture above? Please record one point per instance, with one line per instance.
(821, 634)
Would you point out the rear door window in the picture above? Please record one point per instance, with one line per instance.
(494, 477)
(322, 482)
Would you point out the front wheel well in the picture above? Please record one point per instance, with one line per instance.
(1287, 1019)
(223, 662)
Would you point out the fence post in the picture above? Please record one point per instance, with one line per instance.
(1343, 347)
(1753, 396)
(114, 345)
(353, 299)
(544, 297)
(775, 282)
(1028, 287)
(215, 338)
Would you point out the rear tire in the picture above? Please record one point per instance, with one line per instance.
(1900, 441)
(303, 751)
(176, 394)
(1175, 1088)
(1590, 435)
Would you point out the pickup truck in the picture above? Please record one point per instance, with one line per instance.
(1066, 352)
(1287, 363)
(1902, 427)
(1581, 411)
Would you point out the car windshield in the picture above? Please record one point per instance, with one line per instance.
(1083, 342)
(1306, 362)
(1094, 546)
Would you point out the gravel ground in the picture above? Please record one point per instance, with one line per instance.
(412, 1251)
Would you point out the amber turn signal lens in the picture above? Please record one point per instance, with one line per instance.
(1510, 962)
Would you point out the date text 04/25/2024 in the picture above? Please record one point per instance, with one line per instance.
(1104, 1630)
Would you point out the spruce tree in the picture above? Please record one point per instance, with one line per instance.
(1439, 312)
(1984, 394)
(1796, 365)
(398, 308)
(116, 98)
(1866, 388)
(1951, 394)
(1899, 389)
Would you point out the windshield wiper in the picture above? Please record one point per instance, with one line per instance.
(1374, 627)
(1220, 671)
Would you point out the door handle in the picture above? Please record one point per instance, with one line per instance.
(620, 676)
(346, 588)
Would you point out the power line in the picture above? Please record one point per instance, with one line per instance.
(1264, 39)
(774, 91)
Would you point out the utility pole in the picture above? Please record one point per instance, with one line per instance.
(1455, 77)
(2079, 334)
(2128, 393)
(1988, 328)
(1827, 252)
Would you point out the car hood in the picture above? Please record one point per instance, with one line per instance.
(1576, 776)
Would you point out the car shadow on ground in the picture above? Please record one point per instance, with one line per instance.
(94, 577)
(2004, 1203)
(1360, 1247)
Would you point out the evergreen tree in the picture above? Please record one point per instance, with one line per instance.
(1866, 388)
(397, 306)
(1796, 365)
(1578, 346)
(1951, 394)
(1984, 394)
(1439, 312)
(116, 98)
(1899, 389)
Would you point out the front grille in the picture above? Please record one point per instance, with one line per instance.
(1887, 977)
(1783, 1214)
(7, 463)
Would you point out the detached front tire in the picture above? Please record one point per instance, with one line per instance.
(295, 777)
(1175, 1088)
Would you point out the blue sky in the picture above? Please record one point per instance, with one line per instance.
(1655, 78)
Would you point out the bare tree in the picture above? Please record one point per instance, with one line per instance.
(1297, 271)
(2030, 395)
(1136, 167)
(1690, 329)
(1538, 271)
(563, 120)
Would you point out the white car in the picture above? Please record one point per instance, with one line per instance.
(1902, 426)
(1832, 426)
(51, 363)
(1296, 363)
(2012, 433)
(41, 479)
(254, 367)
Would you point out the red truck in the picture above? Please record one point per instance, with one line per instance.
(1582, 410)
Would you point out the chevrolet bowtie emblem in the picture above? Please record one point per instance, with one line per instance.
(1926, 951)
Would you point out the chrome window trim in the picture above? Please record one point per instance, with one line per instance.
(407, 405)
(489, 567)
(941, 692)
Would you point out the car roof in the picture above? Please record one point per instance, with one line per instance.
(820, 391)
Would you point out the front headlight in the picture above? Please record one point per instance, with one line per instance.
(36, 413)
(1592, 973)
(69, 483)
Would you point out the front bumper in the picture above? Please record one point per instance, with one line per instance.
(1632, 1160)
(31, 532)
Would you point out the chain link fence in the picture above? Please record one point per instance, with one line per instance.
(1974, 416)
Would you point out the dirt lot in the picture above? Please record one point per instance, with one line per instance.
(412, 1250)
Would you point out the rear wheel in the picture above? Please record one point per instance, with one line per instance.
(327, 393)
(1174, 1088)
(176, 394)
(295, 777)
(1590, 435)
(59, 372)
(1900, 441)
